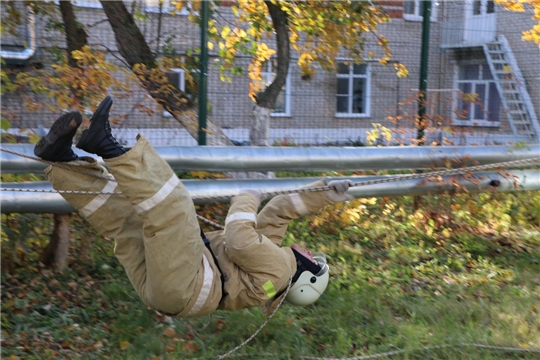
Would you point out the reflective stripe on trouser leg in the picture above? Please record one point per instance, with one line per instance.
(173, 248)
(112, 216)
(205, 289)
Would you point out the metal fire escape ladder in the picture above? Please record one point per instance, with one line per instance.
(512, 90)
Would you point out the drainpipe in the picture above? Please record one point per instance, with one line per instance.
(21, 57)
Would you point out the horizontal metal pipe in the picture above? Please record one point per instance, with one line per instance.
(521, 180)
(229, 159)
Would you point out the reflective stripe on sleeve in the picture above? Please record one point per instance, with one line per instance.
(299, 204)
(99, 200)
(205, 289)
(241, 216)
(269, 289)
(158, 197)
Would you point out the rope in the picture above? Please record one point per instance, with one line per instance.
(241, 345)
(57, 164)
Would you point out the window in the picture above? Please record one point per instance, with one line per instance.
(87, 3)
(150, 5)
(177, 77)
(482, 7)
(166, 6)
(283, 101)
(353, 89)
(482, 109)
(413, 9)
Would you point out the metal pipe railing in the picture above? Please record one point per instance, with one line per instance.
(229, 159)
(39, 202)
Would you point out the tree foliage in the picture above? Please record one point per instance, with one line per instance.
(318, 31)
(532, 34)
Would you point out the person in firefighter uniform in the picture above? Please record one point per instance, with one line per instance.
(174, 268)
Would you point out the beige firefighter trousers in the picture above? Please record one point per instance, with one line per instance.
(153, 222)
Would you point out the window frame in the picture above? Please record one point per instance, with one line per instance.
(181, 85)
(268, 75)
(148, 7)
(457, 81)
(166, 8)
(367, 96)
(417, 16)
(483, 9)
(86, 4)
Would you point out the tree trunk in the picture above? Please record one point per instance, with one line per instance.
(135, 50)
(260, 127)
(266, 100)
(76, 37)
(56, 252)
(268, 97)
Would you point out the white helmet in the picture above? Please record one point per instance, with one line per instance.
(309, 286)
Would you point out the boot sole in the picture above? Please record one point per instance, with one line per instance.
(96, 123)
(64, 126)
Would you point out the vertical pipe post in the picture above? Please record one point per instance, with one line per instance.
(424, 58)
(203, 73)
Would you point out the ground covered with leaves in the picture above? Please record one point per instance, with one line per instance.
(433, 283)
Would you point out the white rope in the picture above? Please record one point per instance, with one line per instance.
(241, 345)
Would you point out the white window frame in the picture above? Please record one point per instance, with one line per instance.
(367, 96)
(268, 74)
(483, 8)
(464, 122)
(417, 16)
(166, 9)
(95, 4)
(151, 6)
(181, 85)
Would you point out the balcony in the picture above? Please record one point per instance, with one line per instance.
(468, 32)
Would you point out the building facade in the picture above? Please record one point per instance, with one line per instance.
(483, 80)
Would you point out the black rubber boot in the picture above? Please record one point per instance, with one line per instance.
(98, 139)
(56, 145)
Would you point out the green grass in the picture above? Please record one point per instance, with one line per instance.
(393, 288)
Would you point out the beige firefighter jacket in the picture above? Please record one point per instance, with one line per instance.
(249, 252)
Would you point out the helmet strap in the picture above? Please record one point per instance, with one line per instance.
(304, 264)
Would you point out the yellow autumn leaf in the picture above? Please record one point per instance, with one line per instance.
(401, 69)
(210, 45)
(124, 345)
(446, 233)
(199, 174)
(178, 6)
(241, 33)
(225, 31)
